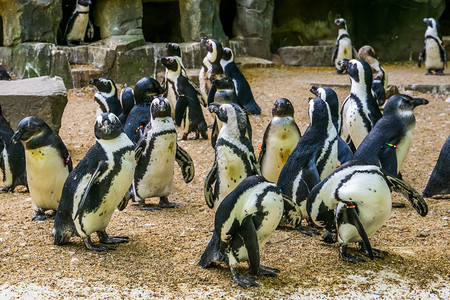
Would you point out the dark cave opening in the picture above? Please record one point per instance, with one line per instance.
(161, 21)
(227, 13)
(444, 20)
(1, 31)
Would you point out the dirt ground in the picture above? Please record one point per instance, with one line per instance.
(160, 261)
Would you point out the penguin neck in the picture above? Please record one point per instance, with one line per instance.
(116, 143)
(172, 76)
(432, 33)
(361, 89)
(231, 132)
(342, 32)
(224, 63)
(81, 8)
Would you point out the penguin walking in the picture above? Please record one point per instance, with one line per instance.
(78, 23)
(439, 181)
(211, 69)
(312, 160)
(97, 186)
(243, 90)
(280, 139)
(106, 96)
(48, 163)
(12, 158)
(4, 75)
(433, 53)
(127, 103)
(234, 156)
(360, 111)
(156, 153)
(343, 49)
(243, 224)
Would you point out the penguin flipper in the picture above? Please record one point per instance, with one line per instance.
(214, 133)
(334, 53)
(247, 231)
(207, 187)
(388, 158)
(186, 164)
(344, 151)
(292, 211)
(262, 149)
(180, 108)
(422, 55)
(310, 174)
(355, 53)
(211, 94)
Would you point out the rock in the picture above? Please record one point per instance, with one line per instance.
(43, 97)
(311, 56)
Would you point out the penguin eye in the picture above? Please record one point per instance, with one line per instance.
(105, 82)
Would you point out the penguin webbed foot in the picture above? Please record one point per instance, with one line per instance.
(398, 205)
(110, 239)
(345, 256)
(243, 280)
(164, 203)
(307, 231)
(267, 271)
(377, 253)
(329, 237)
(97, 248)
(40, 216)
(7, 189)
(144, 206)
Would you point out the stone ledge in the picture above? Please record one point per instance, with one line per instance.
(307, 56)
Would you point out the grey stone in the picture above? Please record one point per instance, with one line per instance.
(245, 62)
(316, 56)
(81, 74)
(43, 97)
(6, 57)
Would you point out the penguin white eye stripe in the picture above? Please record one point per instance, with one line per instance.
(99, 119)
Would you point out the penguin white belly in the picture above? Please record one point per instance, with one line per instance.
(7, 176)
(403, 149)
(273, 205)
(331, 158)
(186, 122)
(78, 30)
(344, 51)
(172, 97)
(354, 122)
(433, 58)
(46, 174)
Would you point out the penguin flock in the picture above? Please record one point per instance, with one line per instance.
(336, 178)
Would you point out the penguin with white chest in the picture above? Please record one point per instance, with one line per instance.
(78, 23)
(106, 96)
(97, 186)
(280, 139)
(48, 164)
(433, 53)
(211, 68)
(343, 49)
(157, 152)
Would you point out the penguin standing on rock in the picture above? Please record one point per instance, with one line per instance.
(211, 69)
(97, 186)
(433, 54)
(343, 49)
(106, 96)
(156, 153)
(439, 181)
(127, 103)
(48, 164)
(280, 139)
(78, 23)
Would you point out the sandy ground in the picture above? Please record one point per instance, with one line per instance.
(160, 259)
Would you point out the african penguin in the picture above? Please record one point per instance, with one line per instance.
(360, 110)
(243, 224)
(234, 157)
(433, 53)
(211, 68)
(97, 186)
(242, 87)
(313, 158)
(439, 181)
(156, 153)
(280, 138)
(4, 74)
(127, 103)
(48, 164)
(343, 49)
(78, 23)
(106, 96)
(174, 50)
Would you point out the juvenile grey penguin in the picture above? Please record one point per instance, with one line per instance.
(157, 152)
(439, 181)
(211, 68)
(433, 53)
(106, 96)
(343, 49)
(48, 164)
(280, 139)
(78, 23)
(97, 186)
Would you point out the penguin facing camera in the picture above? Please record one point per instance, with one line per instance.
(343, 48)
(79, 24)
(433, 53)
(106, 96)
(439, 181)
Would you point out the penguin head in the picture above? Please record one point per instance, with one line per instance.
(341, 24)
(146, 89)
(172, 64)
(229, 113)
(29, 128)
(227, 54)
(213, 46)
(431, 22)
(366, 51)
(319, 113)
(173, 49)
(84, 2)
(107, 126)
(282, 108)
(127, 99)
(329, 96)
(160, 108)
(105, 86)
(224, 83)
(402, 104)
(359, 71)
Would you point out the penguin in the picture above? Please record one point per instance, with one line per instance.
(343, 49)
(12, 158)
(439, 181)
(243, 223)
(174, 50)
(184, 100)
(145, 90)
(156, 153)
(433, 53)
(243, 89)
(78, 23)
(234, 156)
(211, 68)
(359, 111)
(106, 96)
(4, 75)
(329, 96)
(312, 160)
(127, 103)
(280, 138)
(48, 163)
(97, 186)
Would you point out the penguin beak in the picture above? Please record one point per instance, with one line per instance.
(419, 101)
(106, 128)
(17, 136)
(344, 63)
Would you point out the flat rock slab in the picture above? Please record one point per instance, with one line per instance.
(307, 56)
(43, 97)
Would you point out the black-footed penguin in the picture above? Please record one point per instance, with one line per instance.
(145, 90)
(211, 68)
(312, 160)
(106, 96)
(439, 181)
(127, 103)
(433, 53)
(359, 111)
(280, 139)
(174, 50)
(234, 156)
(4, 75)
(329, 96)
(12, 158)
(343, 49)
(156, 153)
(48, 164)
(242, 87)
(97, 186)
(243, 224)
(78, 23)
(184, 100)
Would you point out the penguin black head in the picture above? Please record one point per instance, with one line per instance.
(319, 113)
(146, 89)
(160, 108)
(172, 64)
(402, 104)
(84, 2)
(224, 83)
(282, 108)
(358, 69)
(105, 86)
(431, 22)
(228, 113)
(213, 46)
(227, 54)
(340, 22)
(107, 126)
(29, 128)
(127, 99)
(173, 49)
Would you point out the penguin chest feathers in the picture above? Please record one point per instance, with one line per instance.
(7, 174)
(433, 57)
(80, 22)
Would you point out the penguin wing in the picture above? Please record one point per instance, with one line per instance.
(262, 150)
(310, 174)
(180, 108)
(292, 211)
(355, 53)
(207, 187)
(186, 164)
(422, 55)
(140, 148)
(123, 203)
(334, 52)
(211, 93)
(248, 232)
(214, 133)
(344, 151)
(388, 158)
(90, 31)
(65, 154)
(443, 54)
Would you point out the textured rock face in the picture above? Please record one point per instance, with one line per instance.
(43, 97)
(308, 56)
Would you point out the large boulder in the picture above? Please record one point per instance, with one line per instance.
(43, 97)
(308, 56)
